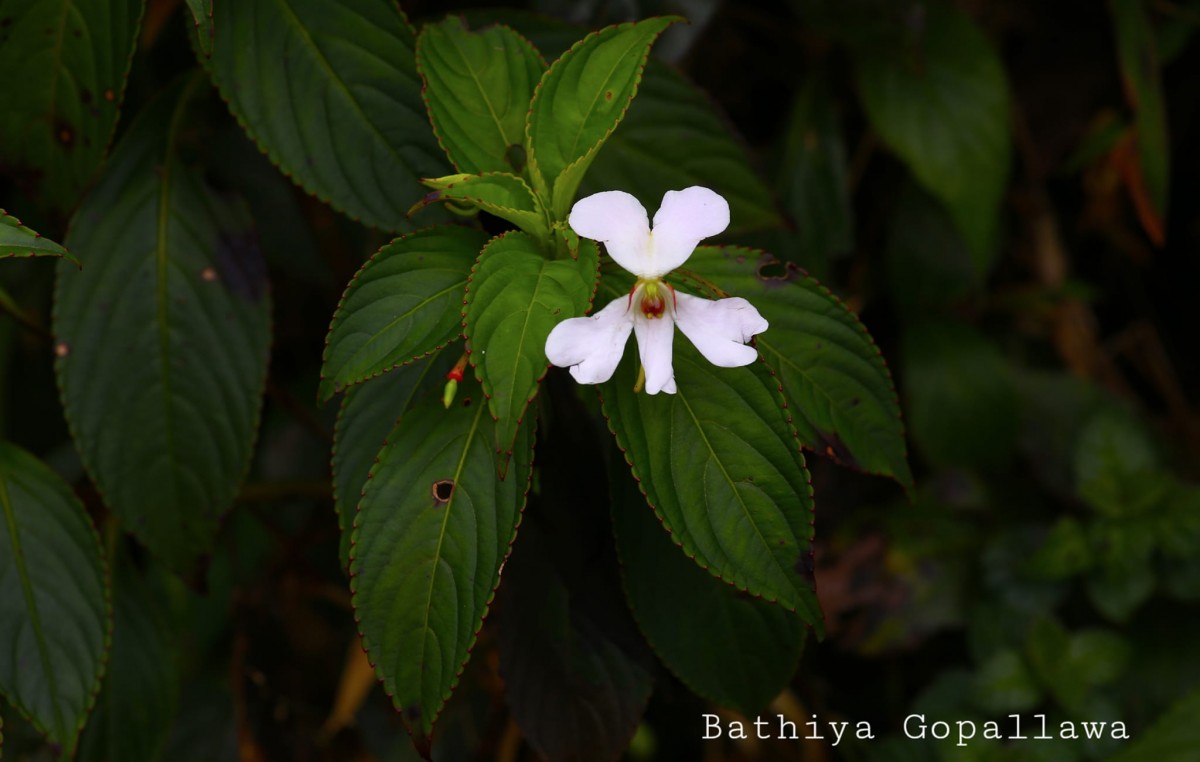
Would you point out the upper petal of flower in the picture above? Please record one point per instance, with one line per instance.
(591, 346)
(654, 337)
(685, 218)
(720, 329)
(619, 221)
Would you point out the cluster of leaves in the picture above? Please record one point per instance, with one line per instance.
(502, 535)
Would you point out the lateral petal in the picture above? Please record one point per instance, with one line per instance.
(685, 218)
(619, 221)
(720, 329)
(591, 346)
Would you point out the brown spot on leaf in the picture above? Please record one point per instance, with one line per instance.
(208, 275)
(771, 270)
(109, 95)
(608, 95)
(62, 349)
(831, 446)
(65, 134)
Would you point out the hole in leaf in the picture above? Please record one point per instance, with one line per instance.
(443, 489)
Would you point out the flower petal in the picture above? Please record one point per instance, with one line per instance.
(591, 346)
(654, 336)
(619, 221)
(685, 218)
(720, 329)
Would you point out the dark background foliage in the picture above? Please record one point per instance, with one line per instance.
(1048, 557)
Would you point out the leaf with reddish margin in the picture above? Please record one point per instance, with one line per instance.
(432, 530)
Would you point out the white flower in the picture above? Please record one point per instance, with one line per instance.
(592, 346)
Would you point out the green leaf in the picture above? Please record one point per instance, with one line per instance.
(941, 103)
(163, 339)
(962, 406)
(514, 299)
(1175, 735)
(673, 137)
(329, 90)
(202, 12)
(579, 102)
(504, 195)
(1117, 470)
(404, 303)
(813, 177)
(1003, 684)
(55, 609)
(930, 269)
(16, 240)
(367, 416)
(837, 385)
(64, 65)
(433, 527)
(1140, 75)
(729, 647)
(477, 87)
(141, 688)
(721, 466)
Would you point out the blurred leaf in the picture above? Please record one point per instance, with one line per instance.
(1003, 684)
(64, 67)
(514, 299)
(1116, 466)
(941, 102)
(1070, 665)
(403, 304)
(1065, 551)
(432, 530)
(579, 102)
(329, 90)
(16, 240)
(477, 88)
(140, 692)
(812, 177)
(721, 466)
(1175, 735)
(834, 378)
(1140, 75)
(962, 408)
(55, 604)
(674, 137)
(202, 13)
(367, 416)
(163, 339)
(929, 266)
(729, 647)
(1117, 590)
(503, 195)
(1055, 406)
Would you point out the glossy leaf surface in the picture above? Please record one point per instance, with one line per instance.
(329, 90)
(433, 527)
(515, 298)
(64, 65)
(403, 304)
(163, 339)
(55, 610)
(838, 388)
(478, 85)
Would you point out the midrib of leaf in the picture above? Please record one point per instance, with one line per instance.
(525, 330)
(592, 107)
(56, 58)
(728, 480)
(30, 603)
(162, 271)
(462, 459)
(483, 92)
(341, 85)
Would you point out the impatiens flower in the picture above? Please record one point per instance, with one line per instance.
(592, 346)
